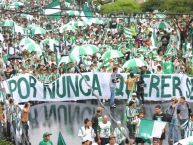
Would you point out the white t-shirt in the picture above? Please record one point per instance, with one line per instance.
(105, 129)
(113, 78)
(86, 134)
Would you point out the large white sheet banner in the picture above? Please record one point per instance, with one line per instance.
(72, 87)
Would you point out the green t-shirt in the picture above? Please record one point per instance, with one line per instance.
(168, 67)
(47, 78)
(5, 57)
(66, 68)
(43, 142)
(100, 119)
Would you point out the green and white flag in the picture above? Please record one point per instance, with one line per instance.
(150, 128)
(61, 139)
(53, 10)
(154, 39)
(128, 33)
(87, 14)
(73, 13)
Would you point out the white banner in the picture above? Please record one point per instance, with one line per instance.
(72, 87)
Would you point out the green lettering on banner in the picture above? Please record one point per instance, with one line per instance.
(81, 86)
(191, 94)
(70, 86)
(20, 88)
(188, 85)
(145, 85)
(165, 85)
(119, 91)
(154, 83)
(12, 86)
(32, 84)
(51, 92)
(63, 87)
(176, 85)
(96, 85)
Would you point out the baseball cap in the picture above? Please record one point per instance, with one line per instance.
(46, 134)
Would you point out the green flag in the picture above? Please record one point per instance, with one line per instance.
(61, 139)
(87, 13)
(87, 10)
(53, 10)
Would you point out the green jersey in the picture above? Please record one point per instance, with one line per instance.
(47, 79)
(43, 142)
(168, 67)
(40, 77)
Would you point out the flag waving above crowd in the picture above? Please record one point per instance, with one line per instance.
(53, 10)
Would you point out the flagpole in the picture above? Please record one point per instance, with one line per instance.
(56, 57)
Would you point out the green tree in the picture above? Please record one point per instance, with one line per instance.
(183, 25)
(176, 8)
(170, 6)
(151, 5)
(4, 142)
(126, 6)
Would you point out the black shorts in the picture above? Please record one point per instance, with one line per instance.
(139, 140)
(163, 136)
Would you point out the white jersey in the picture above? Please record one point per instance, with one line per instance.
(86, 134)
(105, 129)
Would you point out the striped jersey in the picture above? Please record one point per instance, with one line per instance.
(131, 113)
(188, 128)
(120, 134)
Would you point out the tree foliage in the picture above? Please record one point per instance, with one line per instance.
(178, 6)
(151, 5)
(126, 6)
(170, 6)
(4, 142)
